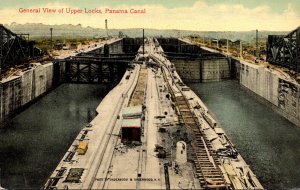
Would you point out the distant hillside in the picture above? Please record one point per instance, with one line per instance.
(43, 30)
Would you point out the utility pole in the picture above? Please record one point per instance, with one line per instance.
(241, 50)
(227, 48)
(106, 28)
(257, 53)
(143, 41)
(51, 30)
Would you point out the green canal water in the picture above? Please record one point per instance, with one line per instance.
(36, 139)
(269, 143)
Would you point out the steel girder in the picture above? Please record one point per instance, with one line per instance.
(94, 70)
(285, 50)
(14, 49)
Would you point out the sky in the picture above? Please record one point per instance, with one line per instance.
(198, 15)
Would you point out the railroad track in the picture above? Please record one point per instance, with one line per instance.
(206, 161)
(205, 158)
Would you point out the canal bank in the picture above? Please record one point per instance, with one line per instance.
(267, 141)
(37, 138)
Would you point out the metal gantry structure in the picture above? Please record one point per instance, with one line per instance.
(285, 50)
(88, 69)
(101, 65)
(14, 48)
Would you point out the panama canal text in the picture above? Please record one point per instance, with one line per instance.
(74, 11)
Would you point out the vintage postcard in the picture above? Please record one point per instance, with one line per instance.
(148, 94)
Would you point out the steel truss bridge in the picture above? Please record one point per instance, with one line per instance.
(96, 69)
(15, 49)
(285, 50)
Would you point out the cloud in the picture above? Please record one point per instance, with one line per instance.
(200, 16)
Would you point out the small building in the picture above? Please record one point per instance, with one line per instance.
(132, 112)
(73, 46)
(131, 130)
(58, 45)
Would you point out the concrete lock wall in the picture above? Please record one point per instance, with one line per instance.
(203, 70)
(116, 47)
(215, 70)
(274, 88)
(49, 75)
(188, 70)
(17, 91)
(10, 91)
(27, 80)
(39, 84)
